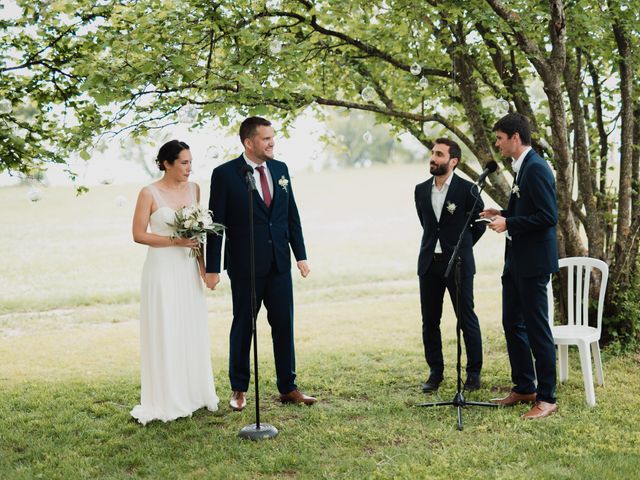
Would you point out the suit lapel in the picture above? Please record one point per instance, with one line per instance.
(434, 219)
(274, 176)
(518, 180)
(447, 199)
(523, 166)
(257, 199)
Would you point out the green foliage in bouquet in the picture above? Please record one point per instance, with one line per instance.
(195, 222)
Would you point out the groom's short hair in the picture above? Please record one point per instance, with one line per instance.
(454, 148)
(512, 123)
(249, 126)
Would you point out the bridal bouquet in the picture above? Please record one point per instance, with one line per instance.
(195, 222)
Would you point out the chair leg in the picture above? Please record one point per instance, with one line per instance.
(587, 374)
(563, 362)
(597, 360)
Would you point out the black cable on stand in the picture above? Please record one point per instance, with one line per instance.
(458, 399)
(255, 431)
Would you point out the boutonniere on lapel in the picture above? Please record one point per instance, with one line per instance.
(451, 207)
(515, 190)
(283, 182)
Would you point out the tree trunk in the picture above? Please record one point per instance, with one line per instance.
(624, 237)
(593, 222)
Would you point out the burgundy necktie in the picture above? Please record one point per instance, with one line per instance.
(265, 186)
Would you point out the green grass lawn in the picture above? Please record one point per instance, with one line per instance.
(69, 361)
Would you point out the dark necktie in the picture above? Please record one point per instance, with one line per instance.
(264, 184)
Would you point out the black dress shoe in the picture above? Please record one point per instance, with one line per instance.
(472, 383)
(432, 383)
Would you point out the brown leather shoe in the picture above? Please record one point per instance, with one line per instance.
(541, 410)
(514, 398)
(296, 396)
(238, 401)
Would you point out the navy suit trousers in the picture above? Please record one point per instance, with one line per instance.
(432, 288)
(527, 330)
(275, 291)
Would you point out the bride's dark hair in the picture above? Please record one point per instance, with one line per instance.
(169, 152)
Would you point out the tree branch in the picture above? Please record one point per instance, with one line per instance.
(370, 50)
(514, 21)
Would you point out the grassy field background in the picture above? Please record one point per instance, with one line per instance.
(69, 361)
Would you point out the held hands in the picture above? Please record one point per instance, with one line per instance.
(211, 280)
(304, 268)
(498, 222)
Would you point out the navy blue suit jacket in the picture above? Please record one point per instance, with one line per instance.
(275, 228)
(531, 218)
(462, 194)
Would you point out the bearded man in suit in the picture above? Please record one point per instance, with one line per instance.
(443, 203)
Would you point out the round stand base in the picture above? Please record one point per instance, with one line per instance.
(252, 432)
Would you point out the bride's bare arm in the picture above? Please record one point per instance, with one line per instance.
(141, 219)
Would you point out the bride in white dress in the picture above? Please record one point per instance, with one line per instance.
(176, 375)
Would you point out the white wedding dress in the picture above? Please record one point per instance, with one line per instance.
(176, 375)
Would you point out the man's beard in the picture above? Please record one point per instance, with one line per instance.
(264, 157)
(439, 170)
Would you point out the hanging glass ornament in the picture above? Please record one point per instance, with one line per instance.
(415, 69)
(275, 46)
(423, 83)
(34, 194)
(368, 94)
(188, 114)
(5, 106)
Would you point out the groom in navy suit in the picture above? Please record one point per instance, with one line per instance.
(277, 228)
(531, 256)
(443, 203)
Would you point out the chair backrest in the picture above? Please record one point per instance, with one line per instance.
(579, 271)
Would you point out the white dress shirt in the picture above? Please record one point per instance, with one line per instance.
(437, 202)
(256, 176)
(516, 164)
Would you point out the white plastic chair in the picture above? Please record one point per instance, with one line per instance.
(577, 330)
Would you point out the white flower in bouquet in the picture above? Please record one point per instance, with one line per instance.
(204, 217)
(195, 222)
(187, 212)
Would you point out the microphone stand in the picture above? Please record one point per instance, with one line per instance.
(458, 399)
(255, 431)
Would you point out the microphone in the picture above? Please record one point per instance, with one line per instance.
(247, 173)
(490, 167)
